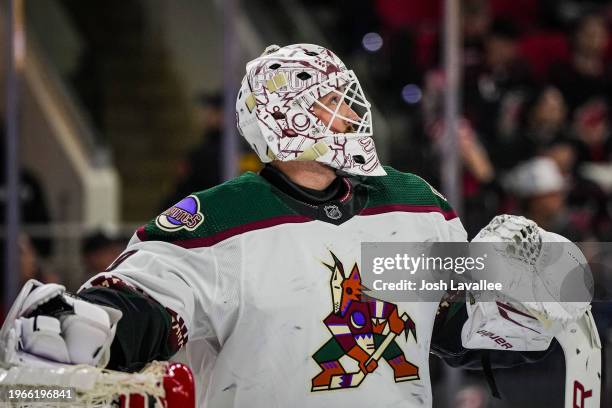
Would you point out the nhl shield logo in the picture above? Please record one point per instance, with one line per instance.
(332, 211)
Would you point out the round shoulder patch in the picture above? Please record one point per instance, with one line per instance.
(185, 214)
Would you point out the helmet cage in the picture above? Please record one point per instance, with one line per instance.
(346, 87)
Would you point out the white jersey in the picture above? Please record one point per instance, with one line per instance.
(248, 274)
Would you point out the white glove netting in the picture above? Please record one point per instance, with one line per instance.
(522, 237)
(538, 264)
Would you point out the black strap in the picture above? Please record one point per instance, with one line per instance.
(488, 372)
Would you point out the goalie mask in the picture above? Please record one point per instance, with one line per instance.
(276, 106)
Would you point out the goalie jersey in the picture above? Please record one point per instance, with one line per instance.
(257, 287)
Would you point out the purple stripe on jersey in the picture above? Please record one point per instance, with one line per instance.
(448, 214)
(240, 229)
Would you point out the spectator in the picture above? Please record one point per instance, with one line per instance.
(590, 209)
(543, 122)
(200, 169)
(587, 75)
(493, 90)
(546, 118)
(479, 185)
(474, 157)
(475, 24)
(480, 189)
(561, 14)
(29, 268)
(99, 250)
(476, 20)
(29, 264)
(592, 132)
(542, 191)
(32, 199)
(563, 153)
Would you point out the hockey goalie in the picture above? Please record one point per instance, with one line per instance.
(255, 284)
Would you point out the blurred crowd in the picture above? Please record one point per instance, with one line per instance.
(538, 145)
(536, 86)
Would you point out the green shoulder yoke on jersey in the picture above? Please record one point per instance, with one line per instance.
(398, 191)
(205, 218)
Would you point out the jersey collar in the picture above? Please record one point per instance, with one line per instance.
(336, 204)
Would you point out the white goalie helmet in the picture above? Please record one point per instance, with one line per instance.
(275, 110)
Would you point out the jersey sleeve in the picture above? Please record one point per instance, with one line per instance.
(165, 291)
(175, 281)
(160, 271)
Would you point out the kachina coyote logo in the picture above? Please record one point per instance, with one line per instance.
(364, 329)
